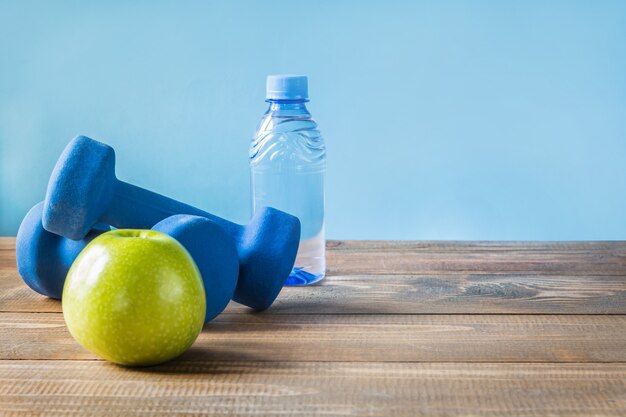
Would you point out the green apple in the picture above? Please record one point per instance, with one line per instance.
(134, 297)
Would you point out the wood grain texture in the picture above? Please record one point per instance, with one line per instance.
(457, 294)
(397, 329)
(562, 258)
(408, 294)
(465, 262)
(474, 246)
(357, 338)
(313, 389)
(7, 243)
(528, 258)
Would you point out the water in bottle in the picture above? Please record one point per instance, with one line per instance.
(288, 162)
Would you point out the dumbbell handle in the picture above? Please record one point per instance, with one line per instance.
(134, 207)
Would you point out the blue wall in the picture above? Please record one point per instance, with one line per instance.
(444, 120)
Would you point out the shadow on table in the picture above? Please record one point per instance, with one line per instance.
(199, 360)
(328, 307)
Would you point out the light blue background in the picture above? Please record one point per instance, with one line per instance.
(443, 120)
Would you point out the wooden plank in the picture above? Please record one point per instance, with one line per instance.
(357, 338)
(313, 389)
(15, 295)
(608, 258)
(409, 294)
(7, 243)
(529, 263)
(7, 260)
(457, 294)
(473, 246)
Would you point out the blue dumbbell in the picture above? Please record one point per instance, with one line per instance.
(44, 258)
(83, 191)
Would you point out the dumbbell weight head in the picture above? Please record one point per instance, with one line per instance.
(43, 258)
(80, 188)
(272, 258)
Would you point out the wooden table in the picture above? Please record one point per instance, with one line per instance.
(397, 329)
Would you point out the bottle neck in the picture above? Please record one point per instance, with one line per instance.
(287, 106)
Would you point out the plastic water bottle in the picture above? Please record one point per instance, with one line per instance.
(288, 162)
